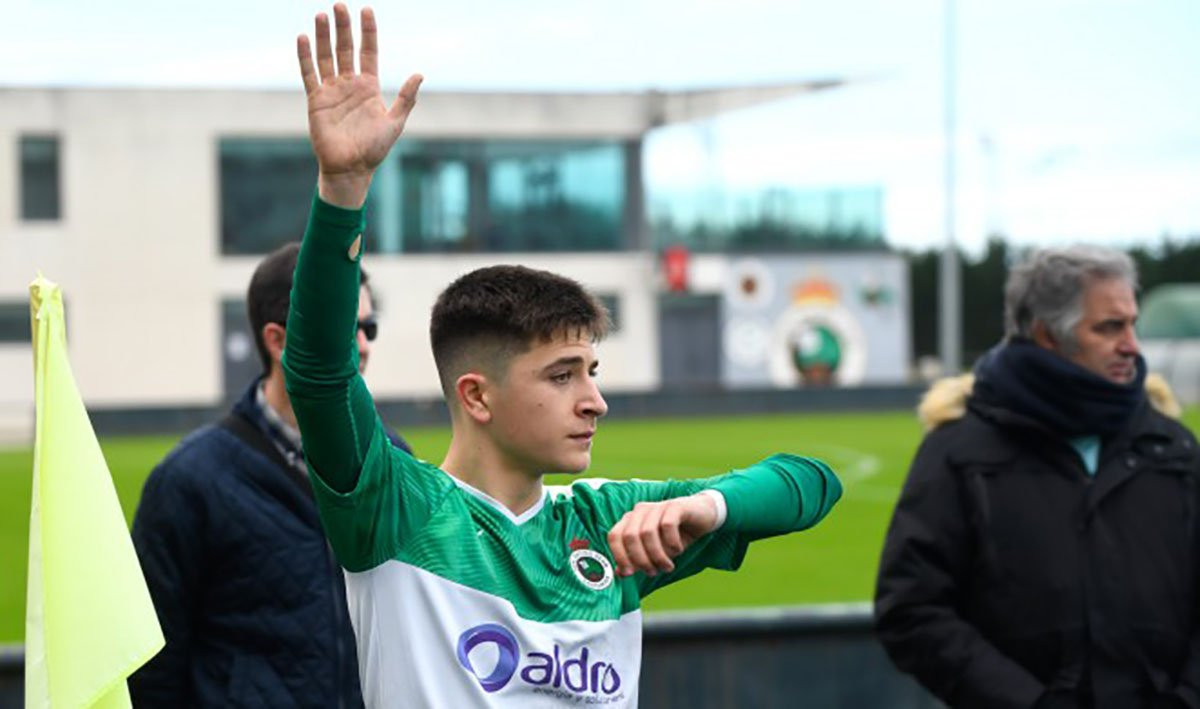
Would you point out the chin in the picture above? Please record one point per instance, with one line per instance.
(576, 467)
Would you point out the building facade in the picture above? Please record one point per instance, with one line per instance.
(152, 207)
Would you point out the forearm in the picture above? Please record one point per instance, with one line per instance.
(320, 362)
(784, 493)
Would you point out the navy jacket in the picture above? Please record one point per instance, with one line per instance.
(250, 599)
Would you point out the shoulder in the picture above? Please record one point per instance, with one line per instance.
(201, 455)
(1176, 440)
(945, 401)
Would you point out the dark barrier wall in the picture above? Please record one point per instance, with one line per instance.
(821, 657)
(815, 656)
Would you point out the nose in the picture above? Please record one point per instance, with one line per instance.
(593, 404)
(1129, 343)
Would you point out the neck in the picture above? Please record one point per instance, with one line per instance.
(473, 460)
(276, 394)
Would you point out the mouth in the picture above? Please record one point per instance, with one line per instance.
(585, 437)
(1121, 371)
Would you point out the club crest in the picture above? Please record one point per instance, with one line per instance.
(592, 568)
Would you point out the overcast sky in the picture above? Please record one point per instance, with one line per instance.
(1076, 119)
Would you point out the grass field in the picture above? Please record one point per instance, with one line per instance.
(834, 562)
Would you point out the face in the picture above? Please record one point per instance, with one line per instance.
(366, 312)
(1105, 339)
(544, 410)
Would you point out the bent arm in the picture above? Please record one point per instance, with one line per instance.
(925, 560)
(680, 533)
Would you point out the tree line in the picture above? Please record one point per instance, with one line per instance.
(1168, 261)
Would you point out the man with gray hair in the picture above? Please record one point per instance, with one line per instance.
(1045, 550)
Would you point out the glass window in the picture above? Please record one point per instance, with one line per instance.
(266, 189)
(39, 178)
(499, 196)
(436, 196)
(768, 218)
(14, 322)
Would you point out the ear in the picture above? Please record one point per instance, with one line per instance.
(1042, 336)
(471, 390)
(274, 337)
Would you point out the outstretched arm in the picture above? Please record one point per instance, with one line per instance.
(351, 130)
(784, 493)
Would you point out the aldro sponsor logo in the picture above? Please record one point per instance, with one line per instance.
(584, 675)
(592, 568)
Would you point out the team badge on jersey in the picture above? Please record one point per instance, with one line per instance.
(591, 567)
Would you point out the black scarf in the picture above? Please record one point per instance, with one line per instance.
(1027, 379)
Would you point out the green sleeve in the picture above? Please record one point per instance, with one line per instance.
(784, 493)
(372, 496)
(320, 360)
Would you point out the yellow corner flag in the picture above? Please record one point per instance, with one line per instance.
(89, 620)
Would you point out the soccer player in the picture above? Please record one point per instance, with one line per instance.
(470, 583)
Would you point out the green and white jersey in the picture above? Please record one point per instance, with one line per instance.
(455, 601)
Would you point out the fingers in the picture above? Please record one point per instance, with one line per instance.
(308, 72)
(406, 99)
(672, 540)
(324, 49)
(345, 40)
(646, 538)
(652, 538)
(368, 57)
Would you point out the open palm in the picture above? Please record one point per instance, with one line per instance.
(350, 127)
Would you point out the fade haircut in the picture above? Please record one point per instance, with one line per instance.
(1049, 286)
(492, 314)
(270, 292)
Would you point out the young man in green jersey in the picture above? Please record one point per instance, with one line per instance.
(470, 583)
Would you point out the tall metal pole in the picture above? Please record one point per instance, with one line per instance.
(950, 280)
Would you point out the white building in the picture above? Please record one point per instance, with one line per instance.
(152, 207)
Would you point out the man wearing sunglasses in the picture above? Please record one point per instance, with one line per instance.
(250, 599)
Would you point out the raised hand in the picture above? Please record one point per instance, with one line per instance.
(350, 127)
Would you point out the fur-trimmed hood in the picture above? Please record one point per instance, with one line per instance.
(946, 399)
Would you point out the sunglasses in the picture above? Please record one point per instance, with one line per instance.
(369, 327)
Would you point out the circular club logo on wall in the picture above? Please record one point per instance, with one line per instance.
(817, 342)
(592, 568)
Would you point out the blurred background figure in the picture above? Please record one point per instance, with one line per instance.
(251, 601)
(1044, 549)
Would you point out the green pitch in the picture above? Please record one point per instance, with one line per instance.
(832, 563)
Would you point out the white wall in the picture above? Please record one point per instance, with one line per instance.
(137, 250)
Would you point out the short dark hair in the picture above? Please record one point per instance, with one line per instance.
(492, 314)
(269, 294)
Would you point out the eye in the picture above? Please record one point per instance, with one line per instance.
(561, 377)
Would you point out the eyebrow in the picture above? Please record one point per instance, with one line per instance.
(570, 362)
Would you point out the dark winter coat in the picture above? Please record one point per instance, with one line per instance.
(1009, 572)
(250, 599)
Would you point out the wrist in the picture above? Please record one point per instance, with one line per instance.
(346, 190)
(720, 509)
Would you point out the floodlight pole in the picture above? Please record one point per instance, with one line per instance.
(950, 280)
